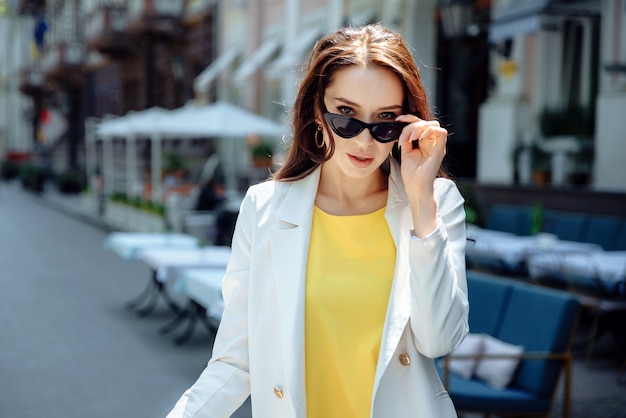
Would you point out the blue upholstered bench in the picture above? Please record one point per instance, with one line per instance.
(541, 320)
(607, 231)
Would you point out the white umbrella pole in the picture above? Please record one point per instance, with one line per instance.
(131, 166)
(231, 177)
(107, 169)
(156, 163)
(90, 149)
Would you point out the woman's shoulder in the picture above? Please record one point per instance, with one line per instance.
(261, 193)
(268, 191)
(447, 192)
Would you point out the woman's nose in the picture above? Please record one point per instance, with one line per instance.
(365, 138)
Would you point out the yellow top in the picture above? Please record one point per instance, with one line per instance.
(348, 280)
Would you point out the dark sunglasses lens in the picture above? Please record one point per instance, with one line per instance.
(346, 128)
(387, 132)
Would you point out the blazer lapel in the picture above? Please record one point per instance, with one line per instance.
(289, 242)
(398, 217)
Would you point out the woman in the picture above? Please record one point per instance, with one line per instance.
(347, 275)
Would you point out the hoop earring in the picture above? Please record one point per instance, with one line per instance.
(317, 133)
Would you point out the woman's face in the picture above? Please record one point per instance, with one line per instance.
(370, 95)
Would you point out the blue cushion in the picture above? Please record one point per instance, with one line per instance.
(542, 320)
(487, 295)
(474, 395)
(565, 225)
(602, 230)
(510, 218)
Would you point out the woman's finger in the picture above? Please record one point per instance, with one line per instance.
(413, 133)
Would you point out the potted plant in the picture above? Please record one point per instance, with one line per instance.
(563, 129)
(32, 177)
(71, 182)
(540, 163)
(583, 163)
(262, 153)
(570, 121)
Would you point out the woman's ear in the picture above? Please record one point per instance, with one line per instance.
(318, 113)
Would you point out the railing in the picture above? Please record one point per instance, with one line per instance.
(165, 8)
(31, 81)
(105, 19)
(62, 54)
(32, 77)
(197, 6)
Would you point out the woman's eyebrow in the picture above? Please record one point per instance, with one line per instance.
(353, 104)
(347, 101)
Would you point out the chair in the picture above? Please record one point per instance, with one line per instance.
(602, 230)
(595, 279)
(620, 244)
(541, 320)
(510, 218)
(565, 225)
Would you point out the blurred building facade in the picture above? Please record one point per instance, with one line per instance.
(560, 90)
(493, 70)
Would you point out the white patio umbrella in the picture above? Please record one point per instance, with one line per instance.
(220, 119)
(224, 120)
(135, 124)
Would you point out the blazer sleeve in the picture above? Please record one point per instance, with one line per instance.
(225, 384)
(439, 303)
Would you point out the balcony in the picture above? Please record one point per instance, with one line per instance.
(32, 82)
(30, 7)
(157, 19)
(105, 31)
(63, 63)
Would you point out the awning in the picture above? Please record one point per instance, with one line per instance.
(523, 26)
(258, 58)
(290, 59)
(522, 17)
(217, 67)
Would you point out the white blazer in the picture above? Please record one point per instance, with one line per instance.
(259, 347)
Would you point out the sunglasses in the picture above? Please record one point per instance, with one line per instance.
(347, 127)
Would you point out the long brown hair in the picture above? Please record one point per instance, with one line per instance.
(371, 45)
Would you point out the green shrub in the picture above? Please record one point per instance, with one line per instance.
(10, 170)
(32, 177)
(71, 182)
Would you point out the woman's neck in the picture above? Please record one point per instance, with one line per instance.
(344, 196)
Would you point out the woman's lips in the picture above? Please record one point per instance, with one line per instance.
(360, 160)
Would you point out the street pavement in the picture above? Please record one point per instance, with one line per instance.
(69, 347)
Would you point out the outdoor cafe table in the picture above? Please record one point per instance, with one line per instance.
(510, 252)
(166, 264)
(129, 244)
(601, 272)
(203, 289)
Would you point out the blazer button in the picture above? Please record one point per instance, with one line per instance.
(278, 392)
(404, 359)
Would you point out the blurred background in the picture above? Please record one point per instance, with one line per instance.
(156, 115)
(533, 92)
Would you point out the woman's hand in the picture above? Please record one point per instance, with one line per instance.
(421, 160)
(420, 164)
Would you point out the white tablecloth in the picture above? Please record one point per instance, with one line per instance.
(514, 250)
(604, 265)
(168, 262)
(203, 285)
(128, 244)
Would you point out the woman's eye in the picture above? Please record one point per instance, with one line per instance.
(345, 110)
(387, 115)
